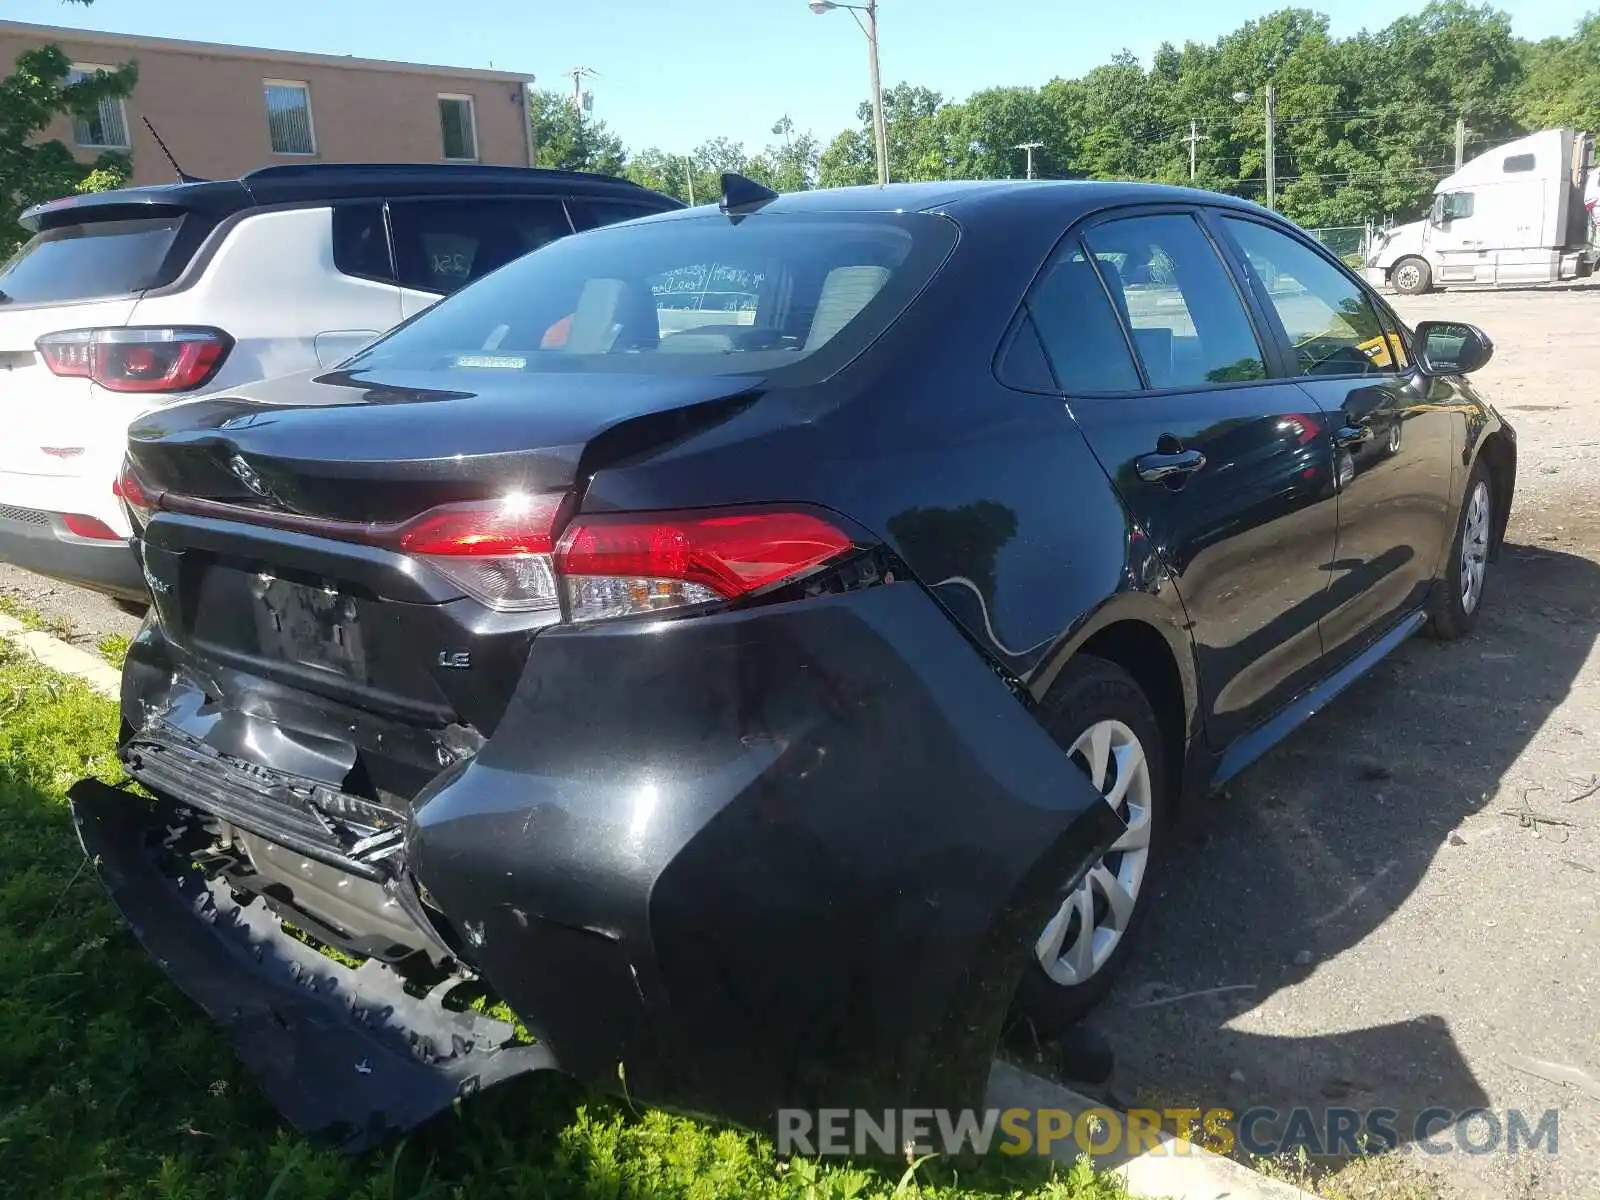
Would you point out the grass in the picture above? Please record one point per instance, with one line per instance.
(1369, 1177)
(114, 648)
(113, 1085)
(56, 627)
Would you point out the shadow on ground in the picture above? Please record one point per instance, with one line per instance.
(1310, 853)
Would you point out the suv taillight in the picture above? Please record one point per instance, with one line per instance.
(137, 359)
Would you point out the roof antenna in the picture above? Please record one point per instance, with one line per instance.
(183, 176)
(739, 192)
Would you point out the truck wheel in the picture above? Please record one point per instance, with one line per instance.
(1411, 276)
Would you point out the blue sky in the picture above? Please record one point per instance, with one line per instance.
(675, 72)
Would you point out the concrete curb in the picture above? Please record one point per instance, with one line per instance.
(1175, 1171)
(58, 656)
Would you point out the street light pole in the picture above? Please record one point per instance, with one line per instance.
(1272, 153)
(880, 127)
(1030, 147)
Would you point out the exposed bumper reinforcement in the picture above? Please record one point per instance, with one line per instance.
(343, 1053)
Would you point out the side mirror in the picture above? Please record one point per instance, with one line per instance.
(1450, 348)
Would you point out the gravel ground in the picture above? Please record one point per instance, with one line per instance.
(1405, 896)
(1400, 930)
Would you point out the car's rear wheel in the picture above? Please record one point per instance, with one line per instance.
(1101, 717)
(1412, 276)
(1458, 595)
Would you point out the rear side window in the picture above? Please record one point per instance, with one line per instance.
(1189, 324)
(94, 260)
(696, 296)
(360, 242)
(1079, 328)
(442, 245)
(591, 214)
(1331, 325)
(1519, 162)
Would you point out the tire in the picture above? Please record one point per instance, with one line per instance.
(1457, 598)
(1411, 276)
(1391, 444)
(1094, 694)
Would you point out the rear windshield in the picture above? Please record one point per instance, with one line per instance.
(91, 261)
(697, 296)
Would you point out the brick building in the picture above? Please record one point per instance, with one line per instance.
(224, 110)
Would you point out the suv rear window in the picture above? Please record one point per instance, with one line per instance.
(89, 261)
(688, 296)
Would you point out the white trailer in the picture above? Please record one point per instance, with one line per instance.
(1518, 214)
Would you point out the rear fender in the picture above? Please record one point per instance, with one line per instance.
(792, 856)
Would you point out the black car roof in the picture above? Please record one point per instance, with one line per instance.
(965, 199)
(314, 182)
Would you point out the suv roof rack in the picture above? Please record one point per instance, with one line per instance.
(329, 173)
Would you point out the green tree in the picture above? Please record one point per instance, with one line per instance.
(567, 139)
(1562, 83)
(32, 169)
(789, 165)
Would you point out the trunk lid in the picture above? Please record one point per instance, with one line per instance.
(257, 592)
(379, 447)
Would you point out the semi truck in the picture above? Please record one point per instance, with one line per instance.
(1522, 213)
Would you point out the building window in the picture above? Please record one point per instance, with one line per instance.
(289, 117)
(106, 128)
(460, 130)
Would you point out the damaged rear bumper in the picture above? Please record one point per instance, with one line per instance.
(343, 1053)
(793, 856)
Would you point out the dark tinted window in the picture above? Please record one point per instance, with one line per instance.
(360, 244)
(1079, 328)
(1021, 363)
(1519, 162)
(1189, 325)
(591, 214)
(1331, 325)
(441, 245)
(88, 261)
(699, 296)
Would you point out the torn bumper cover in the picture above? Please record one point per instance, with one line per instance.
(345, 1053)
(789, 857)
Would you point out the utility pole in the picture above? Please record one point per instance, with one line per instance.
(577, 74)
(1461, 141)
(1272, 154)
(1030, 147)
(880, 125)
(1194, 140)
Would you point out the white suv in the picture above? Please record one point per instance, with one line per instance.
(123, 301)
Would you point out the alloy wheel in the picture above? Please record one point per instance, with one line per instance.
(1406, 278)
(1092, 921)
(1474, 547)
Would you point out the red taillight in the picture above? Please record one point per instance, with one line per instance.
(497, 551)
(90, 527)
(132, 493)
(137, 359)
(515, 525)
(622, 565)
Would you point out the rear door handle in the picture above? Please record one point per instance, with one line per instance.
(1352, 435)
(1154, 468)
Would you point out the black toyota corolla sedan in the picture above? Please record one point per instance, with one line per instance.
(767, 646)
